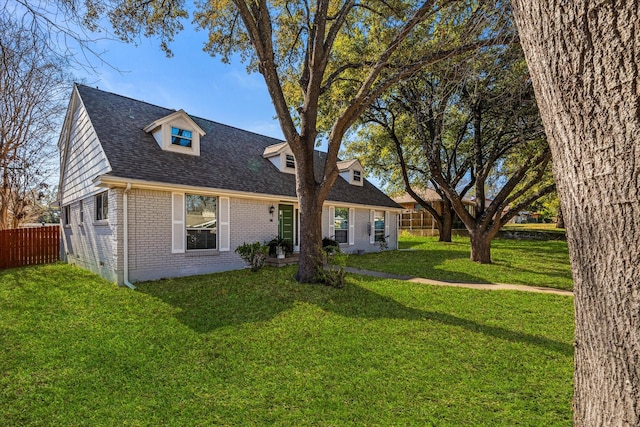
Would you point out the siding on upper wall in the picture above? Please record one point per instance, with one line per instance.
(85, 159)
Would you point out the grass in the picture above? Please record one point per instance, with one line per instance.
(244, 348)
(535, 226)
(526, 262)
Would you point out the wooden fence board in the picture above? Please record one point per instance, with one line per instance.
(29, 246)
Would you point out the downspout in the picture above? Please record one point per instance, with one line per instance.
(125, 232)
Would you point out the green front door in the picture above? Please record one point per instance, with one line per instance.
(285, 222)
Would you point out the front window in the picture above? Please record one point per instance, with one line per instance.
(341, 224)
(357, 177)
(378, 220)
(181, 137)
(81, 212)
(201, 222)
(102, 206)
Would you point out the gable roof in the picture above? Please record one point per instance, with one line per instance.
(180, 113)
(230, 158)
(344, 165)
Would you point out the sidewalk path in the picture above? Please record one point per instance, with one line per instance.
(483, 286)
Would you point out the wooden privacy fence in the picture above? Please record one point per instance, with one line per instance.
(29, 246)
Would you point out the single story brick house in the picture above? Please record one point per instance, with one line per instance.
(148, 192)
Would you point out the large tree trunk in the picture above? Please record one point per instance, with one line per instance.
(310, 259)
(481, 245)
(560, 219)
(446, 223)
(583, 57)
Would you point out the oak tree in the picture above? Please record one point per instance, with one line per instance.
(323, 63)
(475, 122)
(583, 57)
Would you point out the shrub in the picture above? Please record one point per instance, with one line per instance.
(254, 254)
(333, 273)
(330, 246)
(286, 244)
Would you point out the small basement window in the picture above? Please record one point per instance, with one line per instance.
(181, 137)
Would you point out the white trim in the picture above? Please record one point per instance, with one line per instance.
(112, 181)
(386, 226)
(224, 229)
(352, 220)
(178, 230)
(332, 222)
(372, 226)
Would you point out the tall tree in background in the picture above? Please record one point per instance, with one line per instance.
(32, 81)
(585, 66)
(496, 119)
(323, 64)
(389, 148)
(473, 120)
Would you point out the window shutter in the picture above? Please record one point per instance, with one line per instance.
(178, 231)
(224, 230)
(352, 218)
(372, 226)
(332, 222)
(387, 218)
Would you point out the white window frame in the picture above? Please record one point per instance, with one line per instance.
(179, 229)
(384, 226)
(66, 213)
(350, 239)
(102, 211)
(289, 158)
(187, 229)
(190, 139)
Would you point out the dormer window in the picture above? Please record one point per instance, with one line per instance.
(290, 161)
(181, 137)
(281, 156)
(177, 132)
(351, 171)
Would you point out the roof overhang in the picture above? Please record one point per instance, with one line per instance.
(108, 181)
(171, 117)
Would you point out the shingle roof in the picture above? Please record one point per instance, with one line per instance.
(427, 194)
(230, 158)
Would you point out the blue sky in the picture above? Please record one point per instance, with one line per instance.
(192, 80)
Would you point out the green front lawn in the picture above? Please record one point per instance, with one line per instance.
(244, 348)
(525, 262)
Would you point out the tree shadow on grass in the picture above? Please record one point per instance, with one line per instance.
(208, 302)
(418, 263)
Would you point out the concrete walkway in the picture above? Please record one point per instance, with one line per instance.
(483, 286)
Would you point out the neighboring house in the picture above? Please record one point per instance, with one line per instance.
(147, 192)
(415, 217)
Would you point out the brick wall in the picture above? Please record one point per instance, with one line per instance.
(97, 245)
(150, 254)
(91, 244)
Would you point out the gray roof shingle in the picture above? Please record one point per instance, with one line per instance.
(230, 158)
